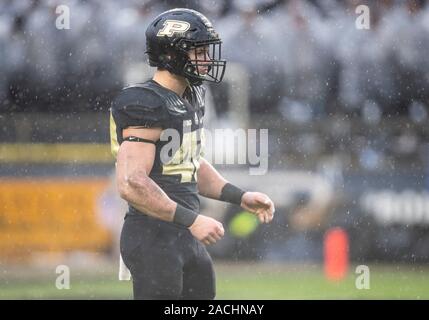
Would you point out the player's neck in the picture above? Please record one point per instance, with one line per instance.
(171, 81)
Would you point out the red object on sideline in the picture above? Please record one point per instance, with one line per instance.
(336, 254)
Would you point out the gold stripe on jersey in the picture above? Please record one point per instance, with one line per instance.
(186, 160)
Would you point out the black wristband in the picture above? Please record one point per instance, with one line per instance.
(231, 194)
(184, 217)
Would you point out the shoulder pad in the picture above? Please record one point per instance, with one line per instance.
(169, 100)
(139, 106)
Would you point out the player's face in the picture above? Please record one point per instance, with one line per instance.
(200, 55)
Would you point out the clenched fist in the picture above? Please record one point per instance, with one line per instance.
(207, 230)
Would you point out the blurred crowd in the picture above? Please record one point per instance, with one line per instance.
(304, 57)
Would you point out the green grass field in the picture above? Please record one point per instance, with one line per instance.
(234, 281)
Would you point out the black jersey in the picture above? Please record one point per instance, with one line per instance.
(150, 105)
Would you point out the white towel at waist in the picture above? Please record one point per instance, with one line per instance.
(124, 273)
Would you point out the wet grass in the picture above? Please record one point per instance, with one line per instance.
(234, 281)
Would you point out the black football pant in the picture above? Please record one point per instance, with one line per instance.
(165, 260)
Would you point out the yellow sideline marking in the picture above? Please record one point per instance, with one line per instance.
(55, 153)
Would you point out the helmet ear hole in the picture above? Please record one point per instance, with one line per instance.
(165, 57)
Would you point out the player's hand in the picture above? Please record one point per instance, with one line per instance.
(259, 204)
(207, 230)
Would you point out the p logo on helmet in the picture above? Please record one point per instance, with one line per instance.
(173, 26)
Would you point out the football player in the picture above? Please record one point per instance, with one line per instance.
(157, 138)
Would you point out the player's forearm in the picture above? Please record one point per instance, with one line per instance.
(212, 185)
(146, 196)
(210, 182)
